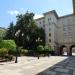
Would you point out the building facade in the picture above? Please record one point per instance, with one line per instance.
(59, 31)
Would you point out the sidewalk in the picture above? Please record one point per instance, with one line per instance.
(32, 66)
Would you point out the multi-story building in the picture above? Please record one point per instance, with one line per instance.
(59, 31)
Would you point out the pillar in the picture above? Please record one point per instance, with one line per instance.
(74, 6)
(68, 51)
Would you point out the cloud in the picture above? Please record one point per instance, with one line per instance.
(22, 9)
(13, 12)
(37, 16)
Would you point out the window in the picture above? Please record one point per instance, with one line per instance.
(49, 40)
(65, 29)
(65, 34)
(40, 22)
(49, 23)
(49, 34)
(49, 19)
(49, 29)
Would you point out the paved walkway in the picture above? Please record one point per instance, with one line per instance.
(65, 67)
(54, 65)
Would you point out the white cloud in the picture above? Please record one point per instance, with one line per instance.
(13, 12)
(37, 16)
(22, 9)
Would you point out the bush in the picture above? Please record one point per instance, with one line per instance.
(46, 48)
(40, 48)
(23, 51)
(3, 52)
(4, 56)
(12, 52)
(8, 44)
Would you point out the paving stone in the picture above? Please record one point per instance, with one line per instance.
(59, 66)
(70, 68)
(50, 72)
(65, 74)
(27, 67)
(62, 70)
(45, 66)
(73, 72)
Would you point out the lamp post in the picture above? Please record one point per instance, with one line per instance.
(38, 40)
(16, 35)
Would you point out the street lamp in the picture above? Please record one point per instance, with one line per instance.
(16, 35)
(38, 40)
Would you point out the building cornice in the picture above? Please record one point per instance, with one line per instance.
(39, 18)
(53, 11)
(66, 16)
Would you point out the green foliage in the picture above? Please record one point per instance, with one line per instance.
(10, 32)
(3, 51)
(40, 48)
(23, 51)
(8, 44)
(2, 32)
(27, 30)
(4, 56)
(46, 48)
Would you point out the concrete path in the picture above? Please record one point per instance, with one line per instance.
(54, 65)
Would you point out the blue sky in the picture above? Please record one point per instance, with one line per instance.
(10, 8)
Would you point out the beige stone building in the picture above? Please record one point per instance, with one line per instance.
(59, 31)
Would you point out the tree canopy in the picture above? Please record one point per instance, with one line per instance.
(25, 32)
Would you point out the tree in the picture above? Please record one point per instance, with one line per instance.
(29, 31)
(25, 32)
(10, 32)
(2, 32)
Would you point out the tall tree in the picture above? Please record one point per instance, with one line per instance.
(10, 31)
(25, 32)
(2, 32)
(29, 32)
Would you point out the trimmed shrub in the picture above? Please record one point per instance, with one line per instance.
(40, 49)
(46, 48)
(23, 51)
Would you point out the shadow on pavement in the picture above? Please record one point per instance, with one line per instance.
(65, 67)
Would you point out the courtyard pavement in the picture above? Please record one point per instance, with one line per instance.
(53, 65)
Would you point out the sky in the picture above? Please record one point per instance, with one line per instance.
(9, 9)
